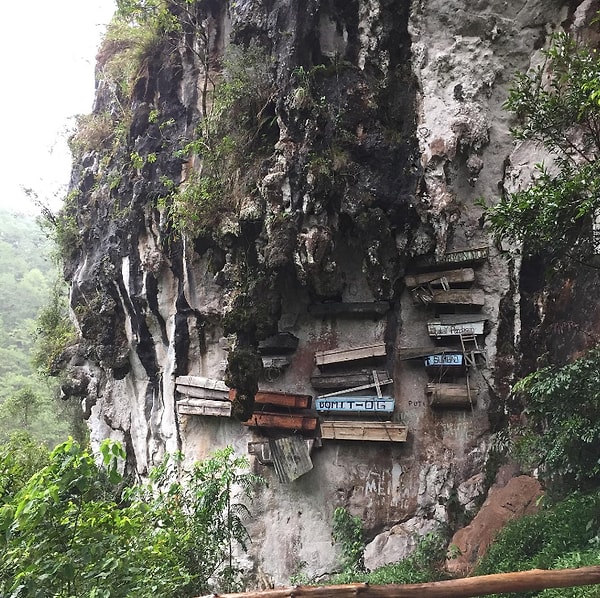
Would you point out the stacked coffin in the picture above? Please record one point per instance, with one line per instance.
(355, 397)
(205, 396)
(446, 283)
(282, 411)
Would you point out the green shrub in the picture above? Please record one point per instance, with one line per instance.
(54, 332)
(562, 434)
(348, 532)
(542, 540)
(70, 531)
(423, 565)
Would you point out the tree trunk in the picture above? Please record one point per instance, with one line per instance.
(522, 581)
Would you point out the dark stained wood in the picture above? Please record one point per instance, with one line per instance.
(464, 275)
(474, 255)
(335, 381)
(370, 309)
(469, 587)
(286, 421)
(281, 399)
(284, 342)
(405, 353)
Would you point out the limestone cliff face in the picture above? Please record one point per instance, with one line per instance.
(374, 126)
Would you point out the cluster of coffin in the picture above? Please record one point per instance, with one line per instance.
(446, 284)
(294, 412)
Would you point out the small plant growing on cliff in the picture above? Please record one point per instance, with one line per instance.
(54, 332)
(348, 532)
(226, 150)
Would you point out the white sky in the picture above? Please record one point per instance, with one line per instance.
(47, 57)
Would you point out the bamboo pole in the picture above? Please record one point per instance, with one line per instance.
(468, 587)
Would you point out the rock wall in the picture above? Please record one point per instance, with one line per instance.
(383, 125)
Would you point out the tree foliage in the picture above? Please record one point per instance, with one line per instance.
(562, 435)
(73, 529)
(558, 107)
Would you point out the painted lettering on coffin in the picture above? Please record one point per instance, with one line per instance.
(356, 404)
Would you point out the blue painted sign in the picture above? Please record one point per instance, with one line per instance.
(444, 360)
(369, 404)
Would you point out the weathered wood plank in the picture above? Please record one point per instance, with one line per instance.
(369, 431)
(287, 421)
(291, 458)
(281, 399)
(474, 297)
(437, 329)
(355, 404)
(340, 381)
(202, 393)
(202, 382)
(343, 355)
(474, 255)
(262, 450)
(461, 318)
(204, 407)
(445, 394)
(461, 276)
(405, 353)
(469, 587)
(444, 360)
(359, 309)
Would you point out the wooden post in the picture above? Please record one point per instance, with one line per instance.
(469, 587)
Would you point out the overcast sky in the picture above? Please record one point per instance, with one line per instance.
(47, 55)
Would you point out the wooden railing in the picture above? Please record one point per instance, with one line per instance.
(522, 581)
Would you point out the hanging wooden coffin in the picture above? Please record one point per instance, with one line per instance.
(281, 399)
(201, 388)
(440, 279)
(370, 309)
(450, 395)
(343, 355)
(355, 404)
(204, 407)
(475, 255)
(405, 353)
(475, 297)
(341, 380)
(437, 328)
(286, 421)
(366, 431)
(284, 342)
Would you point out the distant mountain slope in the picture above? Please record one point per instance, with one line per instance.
(27, 275)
